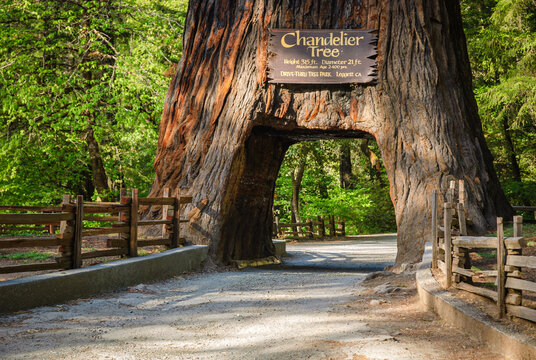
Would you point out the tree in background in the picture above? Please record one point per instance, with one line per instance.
(502, 48)
(302, 156)
(83, 88)
(364, 204)
(345, 165)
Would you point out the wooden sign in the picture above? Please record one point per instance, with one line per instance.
(322, 56)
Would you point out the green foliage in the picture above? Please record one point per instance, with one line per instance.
(519, 191)
(67, 66)
(29, 255)
(367, 207)
(501, 38)
(490, 285)
(488, 255)
(529, 231)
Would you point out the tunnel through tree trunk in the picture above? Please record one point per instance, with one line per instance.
(224, 129)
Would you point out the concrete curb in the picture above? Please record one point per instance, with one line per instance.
(469, 319)
(280, 248)
(54, 288)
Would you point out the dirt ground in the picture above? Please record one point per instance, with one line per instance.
(317, 305)
(401, 311)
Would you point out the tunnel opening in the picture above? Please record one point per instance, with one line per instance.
(333, 179)
(260, 184)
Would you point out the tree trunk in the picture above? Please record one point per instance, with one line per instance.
(297, 177)
(512, 156)
(345, 165)
(323, 186)
(509, 147)
(100, 180)
(224, 130)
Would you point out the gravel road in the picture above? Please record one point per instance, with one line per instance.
(316, 306)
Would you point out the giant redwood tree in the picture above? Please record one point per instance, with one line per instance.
(225, 129)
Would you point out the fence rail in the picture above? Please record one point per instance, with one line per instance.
(451, 247)
(63, 227)
(532, 209)
(321, 227)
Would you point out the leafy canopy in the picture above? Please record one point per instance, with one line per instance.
(67, 66)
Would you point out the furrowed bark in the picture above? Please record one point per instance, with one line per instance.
(224, 130)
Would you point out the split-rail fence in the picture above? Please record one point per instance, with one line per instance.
(72, 223)
(451, 246)
(321, 227)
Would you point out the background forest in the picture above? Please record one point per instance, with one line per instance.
(83, 86)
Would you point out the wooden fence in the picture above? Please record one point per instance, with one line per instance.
(118, 226)
(451, 247)
(531, 209)
(321, 227)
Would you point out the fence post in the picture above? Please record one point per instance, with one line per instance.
(434, 229)
(513, 296)
(65, 201)
(332, 226)
(322, 226)
(133, 237)
(518, 226)
(451, 195)
(500, 268)
(343, 227)
(175, 226)
(447, 215)
(77, 239)
(165, 208)
(462, 254)
(462, 207)
(461, 220)
(277, 229)
(461, 193)
(450, 191)
(123, 218)
(67, 229)
(311, 228)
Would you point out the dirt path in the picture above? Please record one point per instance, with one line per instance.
(315, 307)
